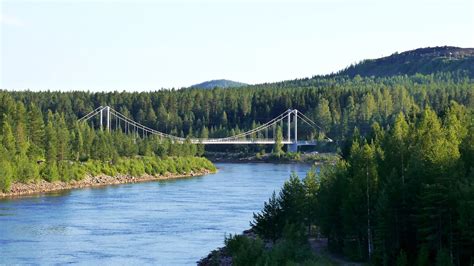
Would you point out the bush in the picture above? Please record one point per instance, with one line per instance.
(27, 170)
(291, 249)
(50, 173)
(6, 175)
(245, 251)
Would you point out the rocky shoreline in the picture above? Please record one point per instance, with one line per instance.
(42, 186)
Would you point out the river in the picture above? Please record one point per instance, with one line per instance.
(174, 222)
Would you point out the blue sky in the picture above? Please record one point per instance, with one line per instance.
(148, 45)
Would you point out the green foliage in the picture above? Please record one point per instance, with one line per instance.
(8, 140)
(6, 175)
(338, 103)
(278, 147)
(27, 169)
(422, 60)
(291, 249)
(311, 186)
(403, 196)
(139, 166)
(50, 173)
(267, 223)
(403, 189)
(244, 251)
(292, 207)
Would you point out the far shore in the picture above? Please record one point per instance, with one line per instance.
(303, 158)
(23, 189)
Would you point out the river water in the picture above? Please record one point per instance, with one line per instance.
(174, 222)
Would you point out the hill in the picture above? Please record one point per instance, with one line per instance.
(423, 60)
(221, 83)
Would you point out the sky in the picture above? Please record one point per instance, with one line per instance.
(148, 45)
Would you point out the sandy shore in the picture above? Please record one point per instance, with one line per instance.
(42, 186)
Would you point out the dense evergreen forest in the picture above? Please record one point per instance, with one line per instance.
(41, 126)
(339, 104)
(43, 145)
(402, 193)
(402, 196)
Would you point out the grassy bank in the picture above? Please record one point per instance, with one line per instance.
(67, 172)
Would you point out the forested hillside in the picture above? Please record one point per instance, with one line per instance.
(401, 196)
(42, 125)
(403, 191)
(339, 104)
(424, 61)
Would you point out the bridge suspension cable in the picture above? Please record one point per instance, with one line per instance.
(240, 138)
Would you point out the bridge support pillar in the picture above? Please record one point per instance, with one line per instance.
(292, 147)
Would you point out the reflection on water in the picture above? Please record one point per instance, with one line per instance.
(173, 222)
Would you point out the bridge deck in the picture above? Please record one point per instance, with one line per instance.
(252, 141)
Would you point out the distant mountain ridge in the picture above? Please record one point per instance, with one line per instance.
(220, 83)
(423, 60)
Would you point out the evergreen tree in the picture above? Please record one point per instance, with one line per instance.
(36, 126)
(22, 143)
(8, 140)
(62, 139)
(323, 114)
(278, 146)
(51, 143)
(311, 187)
(267, 223)
(6, 175)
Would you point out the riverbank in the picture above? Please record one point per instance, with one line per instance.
(42, 186)
(310, 158)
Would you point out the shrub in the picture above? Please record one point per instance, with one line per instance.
(6, 175)
(244, 250)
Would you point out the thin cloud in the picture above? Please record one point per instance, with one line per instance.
(11, 21)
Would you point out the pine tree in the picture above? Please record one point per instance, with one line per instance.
(278, 146)
(6, 175)
(323, 114)
(267, 223)
(62, 139)
(50, 172)
(77, 143)
(8, 140)
(22, 143)
(51, 143)
(292, 200)
(36, 126)
(311, 187)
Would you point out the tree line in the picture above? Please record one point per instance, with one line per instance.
(37, 146)
(338, 104)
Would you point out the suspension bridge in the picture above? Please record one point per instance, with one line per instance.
(110, 119)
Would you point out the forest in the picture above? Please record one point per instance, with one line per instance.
(40, 134)
(338, 104)
(44, 146)
(401, 196)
